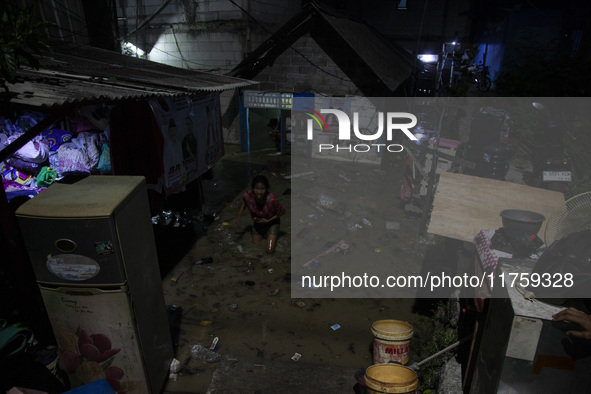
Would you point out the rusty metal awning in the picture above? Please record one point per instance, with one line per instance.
(80, 74)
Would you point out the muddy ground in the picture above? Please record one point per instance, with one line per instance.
(224, 286)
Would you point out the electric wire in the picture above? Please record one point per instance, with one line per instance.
(291, 47)
(69, 11)
(82, 29)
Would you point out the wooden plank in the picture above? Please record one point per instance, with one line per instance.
(465, 204)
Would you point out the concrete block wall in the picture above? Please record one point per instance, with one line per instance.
(206, 35)
(292, 72)
(215, 35)
(306, 68)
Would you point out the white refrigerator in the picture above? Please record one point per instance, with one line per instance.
(92, 248)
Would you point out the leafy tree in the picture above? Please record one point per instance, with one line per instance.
(22, 36)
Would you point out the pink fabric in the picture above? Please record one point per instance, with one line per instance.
(489, 258)
(271, 208)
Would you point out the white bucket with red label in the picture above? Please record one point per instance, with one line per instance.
(391, 341)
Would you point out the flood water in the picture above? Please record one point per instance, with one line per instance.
(225, 286)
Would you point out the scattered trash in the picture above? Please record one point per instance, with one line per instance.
(335, 327)
(203, 354)
(320, 209)
(344, 248)
(328, 202)
(274, 292)
(270, 270)
(214, 343)
(233, 307)
(239, 247)
(176, 219)
(174, 279)
(299, 175)
(412, 208)
(301, 304)
(296, 356)
(205, 260)
(329, 250)
(392, 226)
(378, 250)
(366, 222)
(353, 226)
(175, 366)
(345, 177)
(205, 322)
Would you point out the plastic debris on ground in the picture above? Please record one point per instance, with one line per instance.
(204, 354)
(392, 226)
(175, 366)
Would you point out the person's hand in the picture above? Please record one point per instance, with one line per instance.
(576, 316)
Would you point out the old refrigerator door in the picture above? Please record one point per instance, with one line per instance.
(97, 338)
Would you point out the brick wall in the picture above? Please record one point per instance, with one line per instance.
(206, 35)
(292, 72)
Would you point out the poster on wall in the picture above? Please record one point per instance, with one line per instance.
(192, 132)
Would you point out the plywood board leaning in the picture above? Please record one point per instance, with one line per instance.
(464, 204)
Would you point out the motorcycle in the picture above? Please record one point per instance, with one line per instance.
(552, 165)
(479, 76)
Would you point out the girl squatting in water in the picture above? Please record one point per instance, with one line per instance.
(265, 211)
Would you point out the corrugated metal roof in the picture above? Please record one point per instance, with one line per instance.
(80, 74)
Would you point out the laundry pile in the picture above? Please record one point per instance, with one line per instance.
(74, 147)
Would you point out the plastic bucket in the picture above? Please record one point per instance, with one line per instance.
(390, 378)
(391, 341)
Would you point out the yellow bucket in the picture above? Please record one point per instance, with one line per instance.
(390, 378)
(391, 341)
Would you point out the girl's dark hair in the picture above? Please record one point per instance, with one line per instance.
(260, 179)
